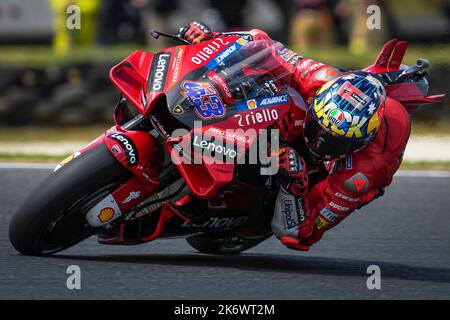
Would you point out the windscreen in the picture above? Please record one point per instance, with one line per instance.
(244, 75)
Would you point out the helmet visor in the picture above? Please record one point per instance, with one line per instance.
(324, 144)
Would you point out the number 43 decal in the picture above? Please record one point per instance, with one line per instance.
(208, 104)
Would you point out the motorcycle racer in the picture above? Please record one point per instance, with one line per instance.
(350, 127)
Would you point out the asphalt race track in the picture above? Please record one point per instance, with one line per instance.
(406, 233)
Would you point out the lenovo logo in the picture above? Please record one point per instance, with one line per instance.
(158, 71)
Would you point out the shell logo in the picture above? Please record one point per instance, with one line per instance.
(241, 41)
(106, 214)
(251, 104)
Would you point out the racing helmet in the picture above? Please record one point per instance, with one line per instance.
(344, 115)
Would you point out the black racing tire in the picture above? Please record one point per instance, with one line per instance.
(52, 218)
(211, 244)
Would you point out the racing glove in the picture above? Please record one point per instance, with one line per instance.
(195, 32)
(293, 172)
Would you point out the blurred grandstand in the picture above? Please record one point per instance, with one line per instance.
(50, 75)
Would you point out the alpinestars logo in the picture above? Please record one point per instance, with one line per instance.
(288, 211)
(159, 72)
(128, 146)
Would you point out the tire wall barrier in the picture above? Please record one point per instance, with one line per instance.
(82, 94)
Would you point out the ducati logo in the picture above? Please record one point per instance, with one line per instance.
(128, 146)
(116, 149)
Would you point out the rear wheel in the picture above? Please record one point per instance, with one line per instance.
(228, 243)
(53, 217)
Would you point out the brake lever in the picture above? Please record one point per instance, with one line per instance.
(156, 34)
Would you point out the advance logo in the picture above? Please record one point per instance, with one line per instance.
(263, 102)
(128, 146)
(158, 71)
(275, 100)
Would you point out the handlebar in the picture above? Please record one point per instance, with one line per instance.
(156, 34)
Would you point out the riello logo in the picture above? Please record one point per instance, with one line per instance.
(207, 52)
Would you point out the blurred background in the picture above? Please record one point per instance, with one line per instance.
(54, 81)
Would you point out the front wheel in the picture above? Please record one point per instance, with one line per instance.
(53, 217)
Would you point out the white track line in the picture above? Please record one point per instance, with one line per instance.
(18, 165)
(400, 173)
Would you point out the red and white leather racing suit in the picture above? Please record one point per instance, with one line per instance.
(353, 181)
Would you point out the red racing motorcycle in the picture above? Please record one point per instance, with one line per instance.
(152, 175)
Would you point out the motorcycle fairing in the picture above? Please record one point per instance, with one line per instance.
(139, 153)
(134, 78)
(120, 236)
(136, 151)
(223, 211)
(390, 57)
(196, 89)
(214, 90)
(130, 76)
(412, 94)
(135, 75)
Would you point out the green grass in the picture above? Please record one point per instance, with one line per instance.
(44, 56)
(342, 57)
(33, 158)
(51, 134)
(426, 165)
